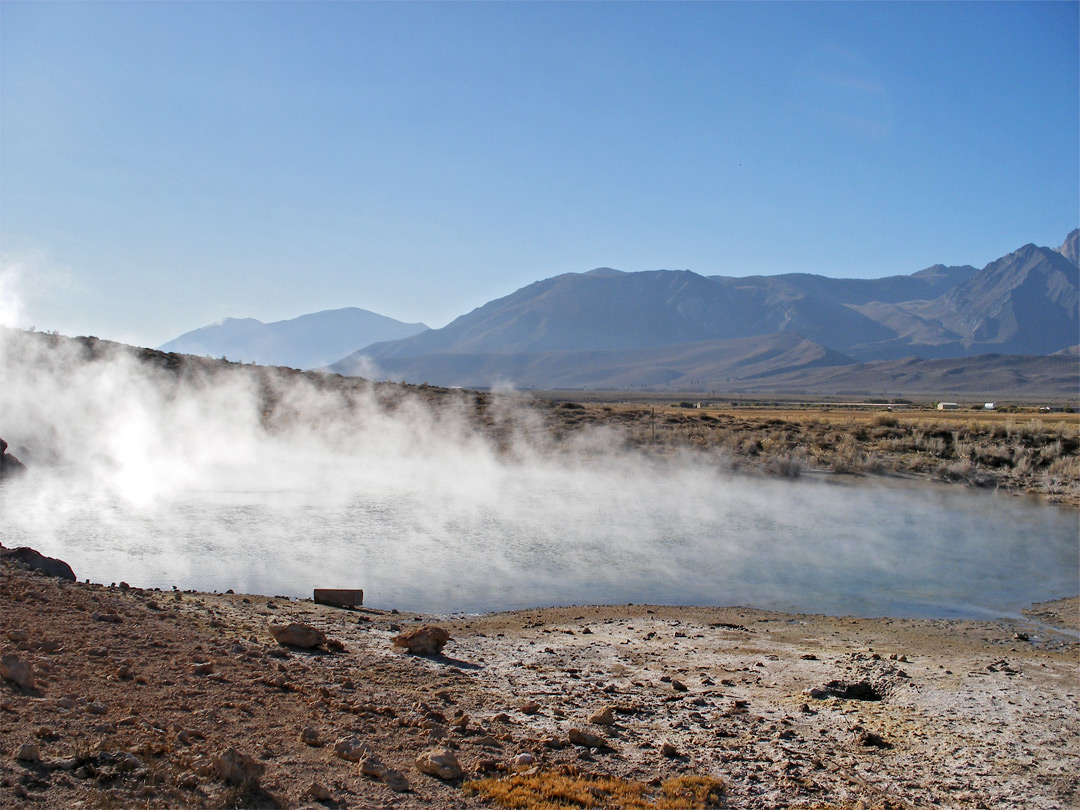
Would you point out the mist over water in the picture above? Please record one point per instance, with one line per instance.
(137, 476)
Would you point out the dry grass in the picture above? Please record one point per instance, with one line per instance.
(548, 790)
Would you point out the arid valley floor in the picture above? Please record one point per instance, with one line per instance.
(137, 694)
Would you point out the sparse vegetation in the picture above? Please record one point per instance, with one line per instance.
(559, 790)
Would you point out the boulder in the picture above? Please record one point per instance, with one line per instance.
(39, 562)
(441, 763)
(297, 635)
(426, 640)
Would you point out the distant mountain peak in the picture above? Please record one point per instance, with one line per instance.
(605, 272)
(1070, 248)
(309, 341)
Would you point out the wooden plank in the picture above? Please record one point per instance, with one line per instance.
(339, 597)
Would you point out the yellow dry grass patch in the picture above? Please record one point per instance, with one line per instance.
(559, 791)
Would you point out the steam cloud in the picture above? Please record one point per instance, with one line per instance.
(141, 476)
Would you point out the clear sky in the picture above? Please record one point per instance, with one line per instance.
(164, 165)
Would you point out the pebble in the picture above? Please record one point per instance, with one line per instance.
(28, 752)
(310, 736)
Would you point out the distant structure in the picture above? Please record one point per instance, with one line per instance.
(948, 406)
(989, 406)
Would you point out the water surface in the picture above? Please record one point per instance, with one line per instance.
(538, 537)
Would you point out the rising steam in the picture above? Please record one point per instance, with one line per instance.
(218, 477)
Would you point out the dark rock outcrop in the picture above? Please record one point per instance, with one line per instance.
(39, 562)
(9, 465)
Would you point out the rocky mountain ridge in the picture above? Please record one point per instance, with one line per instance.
(607, 328)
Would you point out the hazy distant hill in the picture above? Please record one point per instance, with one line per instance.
(705, 364)
(310, 341)
(610, 328)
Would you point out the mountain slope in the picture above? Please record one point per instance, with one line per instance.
(683, 365)
(1027, 302)
(310, 341)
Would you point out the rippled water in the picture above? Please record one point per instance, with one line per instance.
(538, 539)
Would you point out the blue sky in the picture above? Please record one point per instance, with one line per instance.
(165, 165)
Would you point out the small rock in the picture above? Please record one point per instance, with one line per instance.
(395, 780)
(603, 717)
(817, 694)
(858, 690)
(426, 640)
(188, 781)
(668, 750)
(236, 768)
(352, 749)
(201, 669)
(584, 738)
(21, 673)
(96, 708)
(310, 736)
(28, 752)
(678, 685)
(869, 739)
(372, 766)
(319, 792)
(18, 635)
(297, 635)
(439, 762)
(523, 761)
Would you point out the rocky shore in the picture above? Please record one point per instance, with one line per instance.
(113, 696)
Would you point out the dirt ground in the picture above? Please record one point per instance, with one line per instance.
(136, 691)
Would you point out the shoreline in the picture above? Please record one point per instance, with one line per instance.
(137, 691)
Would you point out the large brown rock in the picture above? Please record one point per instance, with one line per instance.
(297, 635)
(426, 640)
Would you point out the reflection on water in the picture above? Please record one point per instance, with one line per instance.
(536, 540)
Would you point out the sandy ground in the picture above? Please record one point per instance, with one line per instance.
(136, 691)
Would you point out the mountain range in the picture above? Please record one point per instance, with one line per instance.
(310, 341)
(678, 330)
